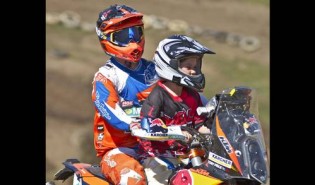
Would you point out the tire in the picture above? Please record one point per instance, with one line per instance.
(148, 21)
(249, 44)
(177, 26)
(159, 23)
(232, 39)
(70, 19)
(52, 18)
(221, 36)
(86, 26)
(194, 30)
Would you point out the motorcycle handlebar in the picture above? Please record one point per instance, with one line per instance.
(173, 133)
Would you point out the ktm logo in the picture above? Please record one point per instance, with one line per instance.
(226, 144)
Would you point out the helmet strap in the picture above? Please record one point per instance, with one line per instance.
(176, 80)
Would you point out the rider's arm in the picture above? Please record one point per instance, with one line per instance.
(106, 101)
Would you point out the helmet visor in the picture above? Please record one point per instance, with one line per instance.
(126, 35)
(190, 65)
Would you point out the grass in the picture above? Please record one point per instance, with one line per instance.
(263, 2)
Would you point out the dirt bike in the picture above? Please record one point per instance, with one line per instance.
(234, 153)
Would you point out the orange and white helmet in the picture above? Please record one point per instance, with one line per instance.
(120, 31)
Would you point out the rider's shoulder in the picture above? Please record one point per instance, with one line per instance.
(108, 69)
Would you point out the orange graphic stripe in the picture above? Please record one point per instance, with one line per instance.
(232, 154)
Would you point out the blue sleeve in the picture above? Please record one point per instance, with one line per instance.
(116, 117)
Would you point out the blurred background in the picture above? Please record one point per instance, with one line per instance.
(237, 30)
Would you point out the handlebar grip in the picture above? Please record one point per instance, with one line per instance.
(207, 110)
(202, 111)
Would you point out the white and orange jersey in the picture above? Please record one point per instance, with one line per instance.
(113, 84)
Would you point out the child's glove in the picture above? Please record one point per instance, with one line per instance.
(188, 137)
(204, 130)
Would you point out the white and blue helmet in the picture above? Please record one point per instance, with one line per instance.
(168, 55)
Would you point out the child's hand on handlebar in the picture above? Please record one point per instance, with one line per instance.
(204, 130)
(188, 136)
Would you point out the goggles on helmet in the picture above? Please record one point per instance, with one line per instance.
(126, 35)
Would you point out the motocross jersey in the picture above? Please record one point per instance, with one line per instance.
(172, 110)
(115, 85)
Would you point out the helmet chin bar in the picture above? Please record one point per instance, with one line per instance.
(133, 52)
(189, 84)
